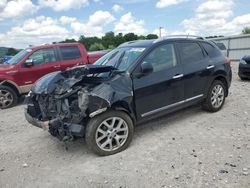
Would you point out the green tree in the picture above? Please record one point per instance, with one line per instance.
(88, 41)
(69, 41)
(111, 46)
(108, 39)
(141, 37)
(12, 52)
(119, 39)
(151, 36)
(246, 30)
(130, 37)
(214, 36)
(96, 47)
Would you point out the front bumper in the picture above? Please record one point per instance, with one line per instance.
(61, 130)
(33, 121)
(244, 70)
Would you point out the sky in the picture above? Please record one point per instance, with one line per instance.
(36, 22)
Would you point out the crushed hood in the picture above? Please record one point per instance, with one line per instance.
(61, 82)
(96, 88)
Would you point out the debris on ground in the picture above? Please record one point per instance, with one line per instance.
(229, 164)
(223, 171)
(25, 165)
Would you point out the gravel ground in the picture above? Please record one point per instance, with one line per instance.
(190, 148)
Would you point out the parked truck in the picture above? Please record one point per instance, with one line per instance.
(19, 73)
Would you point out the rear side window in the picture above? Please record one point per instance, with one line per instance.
(211, 50)
(70, 52)
(221, 46)
(190, 52)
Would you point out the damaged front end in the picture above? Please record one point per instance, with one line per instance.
(63, 102)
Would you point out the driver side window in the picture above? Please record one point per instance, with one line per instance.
(162, 57)
(43, 56)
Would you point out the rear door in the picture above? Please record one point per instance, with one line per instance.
(163, 88)
(70, 56)
(44, 61)
(196, 69)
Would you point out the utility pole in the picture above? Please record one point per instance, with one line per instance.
(160, 31)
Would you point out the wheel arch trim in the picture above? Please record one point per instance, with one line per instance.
(222, 77)
(12, 84)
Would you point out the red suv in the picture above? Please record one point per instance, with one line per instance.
(19, 73)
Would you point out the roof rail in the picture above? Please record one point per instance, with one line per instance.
(178, 36)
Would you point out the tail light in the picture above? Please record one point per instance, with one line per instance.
(228, 60)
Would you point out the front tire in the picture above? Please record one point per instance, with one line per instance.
(8, 97)
(216, 97)
(109, 133)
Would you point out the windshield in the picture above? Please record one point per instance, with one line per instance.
(18, 57)
(120, 58)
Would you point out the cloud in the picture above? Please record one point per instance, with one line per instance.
(63, 5)
(236, 25)
(129, 24)
(131, 1)
(94, 26)
(164, 32)
(43, 29)
(87, 30)
(16, 8)
(213, 18)
(167, 3)
(34, 32)
(67, 20)
(101, 18)
(117, 8)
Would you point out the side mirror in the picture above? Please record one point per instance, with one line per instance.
(146, 68)
(28, 63)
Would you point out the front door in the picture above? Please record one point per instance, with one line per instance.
(161, 89)
(44, 62)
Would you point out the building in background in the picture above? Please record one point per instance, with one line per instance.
(237, 46)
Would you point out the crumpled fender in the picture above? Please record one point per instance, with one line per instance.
(103, 96)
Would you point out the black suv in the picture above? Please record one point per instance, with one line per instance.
(137, 81)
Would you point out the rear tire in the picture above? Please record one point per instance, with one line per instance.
(215, 97)
(8, 97)
(109, 133)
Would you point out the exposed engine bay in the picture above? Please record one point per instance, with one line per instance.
(63, 102)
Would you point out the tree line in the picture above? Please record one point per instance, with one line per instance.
(109, 40)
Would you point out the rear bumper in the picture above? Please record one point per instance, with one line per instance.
(244, 71)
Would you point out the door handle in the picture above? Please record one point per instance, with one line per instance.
(210, 67)
(57, 66)
(178, 76)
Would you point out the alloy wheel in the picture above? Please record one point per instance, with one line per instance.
(6, 99)
(112, 134)
(218, 96)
